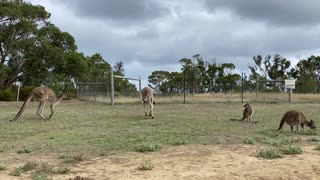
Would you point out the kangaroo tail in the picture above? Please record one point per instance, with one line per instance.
(235, 119)
(154, 103)
(26, 102)
(281, 124)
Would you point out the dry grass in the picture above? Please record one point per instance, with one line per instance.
(216, 97)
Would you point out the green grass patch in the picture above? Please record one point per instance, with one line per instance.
(87, 128)
(279, 141)
(145, 166)
(308, 132)
(250, 140)
(3, 165)
(73, 159)
(24, 149)
(147, 147)
(269, 153)
(40, 175)
(290, 150)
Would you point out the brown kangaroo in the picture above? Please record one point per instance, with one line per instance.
(296, 118)
(44, 94)
(147, 98)
(247, 113)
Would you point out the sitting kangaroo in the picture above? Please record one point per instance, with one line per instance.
(44, 94)
(247, 114)
(296, 118)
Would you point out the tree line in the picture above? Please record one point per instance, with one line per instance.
(198, 75)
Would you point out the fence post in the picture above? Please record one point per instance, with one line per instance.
(242, 87)
(112, 88)
(184, 87)
(140, 87)
(18, 94)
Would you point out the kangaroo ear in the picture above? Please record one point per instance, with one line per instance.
(311, 120)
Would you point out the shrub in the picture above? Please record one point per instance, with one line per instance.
(145, 166)
(269, 153)
(40, 175)
(249, 140)
(291, 150)
(3, 165)
(24, 150)
(147, 147)
(317, 147)
(7, 95)
(25, 91)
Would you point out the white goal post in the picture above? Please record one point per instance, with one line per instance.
(122, 77)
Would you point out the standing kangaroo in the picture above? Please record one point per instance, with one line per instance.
(296, 118)
(44, 94)
(147, 98)
(247, 113)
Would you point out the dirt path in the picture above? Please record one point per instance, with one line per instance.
(196, 162)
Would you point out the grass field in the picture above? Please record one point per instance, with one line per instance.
(98, 128)
(82, 130)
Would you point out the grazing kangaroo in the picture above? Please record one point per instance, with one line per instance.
(247, 114)
(296, 118)
(44, 94)
(147, 98)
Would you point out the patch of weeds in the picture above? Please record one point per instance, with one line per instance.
(24, 150)
(17, 171)
(3, 165)
(308, 132)
(317, 147)
(40, 175)
(269, 153)
(147, 147)
(145, 166)
(269, 133)
(45, 167)
(65, 170)
(275, 142)
(179, 142)
(249, 140)
(73, 159)
(289, 150)
(314, 139)
(30, 165)
(27, 167)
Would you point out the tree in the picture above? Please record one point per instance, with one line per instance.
(19, 22)
(307, 73)
(192, 73)
(270, 69)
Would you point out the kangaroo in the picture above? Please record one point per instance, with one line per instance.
(296, 118)
(247, 113)
(44, 94)
(147, 98)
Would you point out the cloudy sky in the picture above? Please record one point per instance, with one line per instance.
(149, 35)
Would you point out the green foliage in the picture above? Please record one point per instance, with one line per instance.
(249, 140)
(269, 153)
(73, 159)
(289, 150)
(145, 166)
(179, 142)
(29, 166)
(314, 139)
(7, 95)
(308, 132)
(3, 165)
(147, 147)
(25, 91)
(40, 175)
(24, 149)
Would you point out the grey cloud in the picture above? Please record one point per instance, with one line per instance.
(279, 12)
(118, 10)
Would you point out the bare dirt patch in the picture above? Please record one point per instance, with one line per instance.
(190, 162)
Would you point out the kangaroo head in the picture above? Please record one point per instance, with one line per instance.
(246, 105)
(312, 125)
